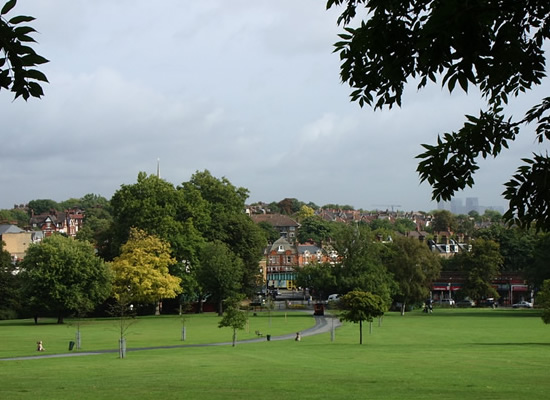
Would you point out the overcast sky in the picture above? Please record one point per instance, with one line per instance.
(248, 89)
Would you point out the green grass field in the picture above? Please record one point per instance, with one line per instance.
(451, 354)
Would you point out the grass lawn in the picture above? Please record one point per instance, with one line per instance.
(451, 354)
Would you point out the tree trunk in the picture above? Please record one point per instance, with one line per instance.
(361, 332)
(234, 336)
(220, 308)
(402, 308)
(157, 308)
(60, 318)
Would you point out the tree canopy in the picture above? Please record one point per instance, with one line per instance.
(543, 300)
(496, 46)
(141, 271)
(64, 275)
(220, 272)
(9, 286)
(414, 268)
(233, 317)
(480, 266)
(361, 264)
(359, 306)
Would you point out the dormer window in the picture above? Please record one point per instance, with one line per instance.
(281, 248)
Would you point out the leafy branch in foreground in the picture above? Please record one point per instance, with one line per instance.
(496, 46)
(17, 59)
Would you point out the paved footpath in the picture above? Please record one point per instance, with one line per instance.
(322, 325)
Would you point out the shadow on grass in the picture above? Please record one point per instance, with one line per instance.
(485, 313)
(276, 315)
(512, 344)
(29, 322)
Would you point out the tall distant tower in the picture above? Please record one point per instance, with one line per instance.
(472, 204)
(158, 168)
(456, 206)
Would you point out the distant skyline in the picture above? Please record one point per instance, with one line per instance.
(247, 90)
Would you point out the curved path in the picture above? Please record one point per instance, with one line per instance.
(322, 325)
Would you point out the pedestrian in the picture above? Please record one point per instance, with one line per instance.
(298, 337)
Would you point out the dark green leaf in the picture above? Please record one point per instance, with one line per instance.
(37, 75)
(21, 18)
(8, 6)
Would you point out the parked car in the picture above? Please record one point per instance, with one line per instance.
(447, 302)
(523, 304)
(465, 303)
(490, 302)
(333, 297)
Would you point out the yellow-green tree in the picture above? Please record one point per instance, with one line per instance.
(141, 272)
(304, 212)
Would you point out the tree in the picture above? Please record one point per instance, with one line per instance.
(465, 224)
(492, 216)
(42, 206)
(443, 221)
(9, 286)
(64, 275)
(496, 46)
(17, 59)
(359, 306)
(543, 300)
(220, 199)
(414, 268)
(233, 317)
(141, 272)
(318, 278)
(304, 212)
(361, 265)
(247, 241)
(152, 205)
(16, 216)
(314, 228)
(480, 266)
(538, 270)
(404, 225)
(221, 218)
(271, 234)
(97, 228)
(516, 246)
(220, 272)
(289, 206)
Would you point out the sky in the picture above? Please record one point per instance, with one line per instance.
(249, 90)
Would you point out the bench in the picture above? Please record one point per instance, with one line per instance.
(258, 333)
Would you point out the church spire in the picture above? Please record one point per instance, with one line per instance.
(158, 168)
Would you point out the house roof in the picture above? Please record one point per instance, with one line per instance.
(302, 248)
(9, 228)
(283, 244)
(274, 219)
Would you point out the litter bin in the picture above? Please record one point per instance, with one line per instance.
(71, 345)
(268, 337)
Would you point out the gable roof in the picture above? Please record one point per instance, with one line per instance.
(282, 244)
(9, 228)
